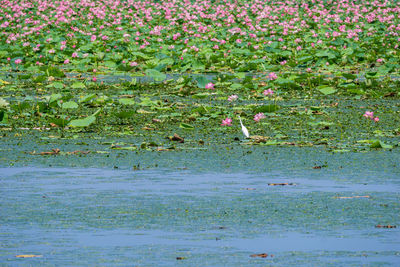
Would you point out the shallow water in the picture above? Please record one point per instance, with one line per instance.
(98, 216)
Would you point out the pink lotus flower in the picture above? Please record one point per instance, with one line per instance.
(376, 119)
(66, 61)
(272, 76)
(232, 98)
(369, 114)
(227, 122)
(94, 79)
(259, 116)
(18, 61)
(209, 86)
(268, 92)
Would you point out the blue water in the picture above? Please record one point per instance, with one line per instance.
(91, 216)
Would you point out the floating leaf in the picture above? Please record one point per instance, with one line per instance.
(201, 95)
(327, 90)
(130, 148)
(127, 101)
(202, 81)
(380, 144)
(78, 85)
(82, 122)
(349, 76)
(156, 75)
(69, 104)
(86, 98)
(197, 65)
(54, 97)
(186, 126)
(110, 64)
(57, 85)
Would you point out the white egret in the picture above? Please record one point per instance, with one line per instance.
(244, 129)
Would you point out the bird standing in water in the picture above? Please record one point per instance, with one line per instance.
(244, 129)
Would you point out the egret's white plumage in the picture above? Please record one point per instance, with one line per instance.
(244, 129)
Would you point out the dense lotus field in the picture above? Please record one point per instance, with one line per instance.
(200, 36)
(297, 72)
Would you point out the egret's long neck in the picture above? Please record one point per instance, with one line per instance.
(240, 121)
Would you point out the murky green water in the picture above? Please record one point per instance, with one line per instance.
(206, 208)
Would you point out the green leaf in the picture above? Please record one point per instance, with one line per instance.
(55, 72)
(3, 54)
(266, 108)
(321, 123)
(57, 85)
(86, 98)
(125, 114)
(127, 101)
(167, 61)
(236, 86)
(240, 75)
(69, 104)
(59, 121)
(156, 75)
(283, 81)
(327, 90)
(198, 65)
(54, 97)
(201, 110)
(3, 117)
(82, 122)
(202, 81)
(380, 144)
(147, 102)
(78, 85)
(100, 55)
(201, 95)
(130, 148)
(349, 76)
(110, 64)
(186, 126)
(304, 59)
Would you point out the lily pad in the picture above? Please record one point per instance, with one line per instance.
(156, 75)
(327, 90)
(70, 105)
(186, 126)
(83, 122)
